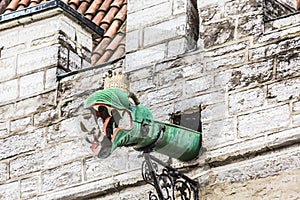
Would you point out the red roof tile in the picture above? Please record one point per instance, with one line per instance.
(110, 15)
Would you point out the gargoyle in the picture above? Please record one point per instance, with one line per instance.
(125, 122)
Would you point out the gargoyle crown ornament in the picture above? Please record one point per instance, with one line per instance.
(125, 122)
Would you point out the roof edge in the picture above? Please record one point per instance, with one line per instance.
(48, 6)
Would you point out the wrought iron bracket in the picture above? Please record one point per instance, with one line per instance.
(169, 183)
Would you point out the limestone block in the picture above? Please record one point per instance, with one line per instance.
(73, 150)
(149, 55)
(198, 85)
(37, 59)
(162, 95)
(142, 18)
(3, 172)
(271, 119)
(6, 111)
(250, 25)
(223, 61)
(29, 187)
(288, 64)
(65, 175)
(17, 144)
(279, 186)
(218, 33)
(165, 30)
(9, 66)
(242, 7)
(218, 133)
(214, 112)
(282, 91)
(230, 48)
(39, 160)
(117, 163)
(45, 118)
(10, 191)
(141, 85)
(296, 106)
(135, 5)
(177, 47)
(31, 84)
(20, 124)
(34, 104)
(50, 79)
(243, 101)
(196, 100)
(246, 75)
(133, 40)
(260, 167)
(9, 90)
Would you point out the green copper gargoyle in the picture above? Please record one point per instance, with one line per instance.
(127, 123)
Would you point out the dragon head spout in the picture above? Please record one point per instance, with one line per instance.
(118, 120)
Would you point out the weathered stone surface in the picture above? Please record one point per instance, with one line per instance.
(288, 65)
(18, 144)
(9, 90)
(72, 150)
(198, 85)
(9, 66)
(266, 120)
(284, 90)
(282, 186)
(20, 124)
(250, 25)
(29, 61)
(165, 31)
(29, 87)
(149, 55)
(3, 172)
(218, 132)
(10, 191)
(29, 187)
(61, 176)
(218, 33)
(36, 161)
(218, 62)
(243, 101)
(242, 7)
(168, 93)
(45, 118)
(248, 75)
(159, 12)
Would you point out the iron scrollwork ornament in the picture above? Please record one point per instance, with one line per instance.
(169, 183)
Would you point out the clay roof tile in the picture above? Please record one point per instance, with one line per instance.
(106, 4)
(93, 8)
(84, 5)
(117, 3)
(74, 4)
(12, 6)
(110, 15)
(99, 16)
(23, 4)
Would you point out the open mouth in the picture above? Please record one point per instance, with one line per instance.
(110, 121)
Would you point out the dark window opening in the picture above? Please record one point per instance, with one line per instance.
(190, 119)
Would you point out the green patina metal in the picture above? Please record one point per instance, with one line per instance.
(146, 133)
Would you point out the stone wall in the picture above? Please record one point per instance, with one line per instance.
(246, 73)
